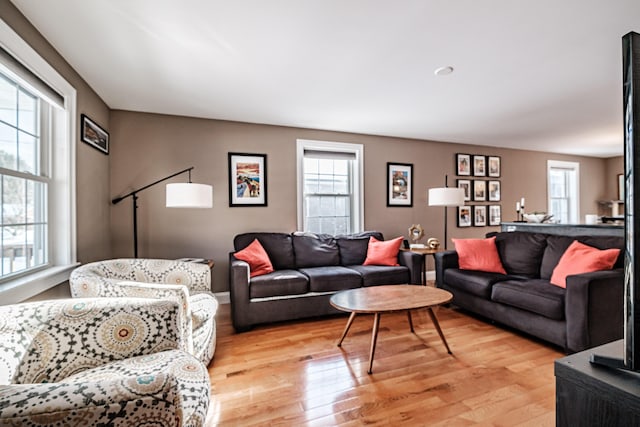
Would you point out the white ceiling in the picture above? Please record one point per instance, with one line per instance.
(538, 74)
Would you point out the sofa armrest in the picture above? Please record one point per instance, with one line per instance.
(81, 333)
(413, 261)
(444, 260)
(239, 293)
(176, 293)
(594, 305)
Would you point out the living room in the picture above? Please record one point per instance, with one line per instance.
(147, 144)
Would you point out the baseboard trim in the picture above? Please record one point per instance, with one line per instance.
(222, 297)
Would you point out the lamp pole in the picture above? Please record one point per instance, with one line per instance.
(446, 185)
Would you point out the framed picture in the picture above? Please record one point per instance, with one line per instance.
(400, 184)
(479, 216)
(479, 166)
(94, 135)
(493, 166)
(620, 186)
(465, 184)
(494, 191)
(463, 164)
(464, 216)
(495, 214)
(247, 179)
(479, 190)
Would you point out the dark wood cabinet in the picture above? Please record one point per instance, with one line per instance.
(592, 395)
(565, 229)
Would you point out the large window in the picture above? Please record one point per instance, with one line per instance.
(563, 183)
(329, 187)
(37, 202)
(23, 223)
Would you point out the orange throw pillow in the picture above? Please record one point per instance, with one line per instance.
(479, 255)
(383, 253)
(580, 258)
(257, 258)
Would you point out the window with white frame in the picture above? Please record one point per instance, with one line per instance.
(563, 184)
(23, 181)
(330, 196)
(37, 163)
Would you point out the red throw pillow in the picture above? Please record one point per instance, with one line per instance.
(479, 255)
(580, 258)
(257, 258)
(383, 253)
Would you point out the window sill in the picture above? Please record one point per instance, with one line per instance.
(26, 287)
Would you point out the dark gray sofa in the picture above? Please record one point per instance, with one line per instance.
(588, 313)
(309, 269)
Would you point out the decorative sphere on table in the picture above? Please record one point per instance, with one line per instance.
(433, 243)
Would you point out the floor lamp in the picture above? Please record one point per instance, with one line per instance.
(446, 197)
(178, 195)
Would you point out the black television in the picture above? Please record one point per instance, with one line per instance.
(631, 110)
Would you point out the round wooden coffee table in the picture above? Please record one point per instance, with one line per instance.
(388, 298)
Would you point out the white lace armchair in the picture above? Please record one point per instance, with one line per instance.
(98, 361)
(185, 282)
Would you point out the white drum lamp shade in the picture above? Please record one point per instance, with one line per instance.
(446, 196)
(189, 195)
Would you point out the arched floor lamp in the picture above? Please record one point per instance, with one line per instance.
(178, 195)
(448, 198)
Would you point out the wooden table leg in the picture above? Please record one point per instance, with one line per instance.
(346, 329)
(410, 320)
(374, 338)
(434, 319)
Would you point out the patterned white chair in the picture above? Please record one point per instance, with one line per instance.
(98, 361)
(186, 282)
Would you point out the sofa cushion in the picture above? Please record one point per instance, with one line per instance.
(353, 247)
(580, 258)
(278, 246)
(473, 282)
(383, 252)
(334, 278)
(534, 295)
(557, 245)
(373, 275)
(315, 250)
(479, 254)
(280, 282)
(256, 257)
(521, 253)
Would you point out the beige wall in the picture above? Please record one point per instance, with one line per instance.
(92, 167)
(615, 167)
(146, 147)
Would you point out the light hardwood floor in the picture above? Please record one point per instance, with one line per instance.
(293, 374)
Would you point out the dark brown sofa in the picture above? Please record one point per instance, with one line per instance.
(588, 313)
(309, 269)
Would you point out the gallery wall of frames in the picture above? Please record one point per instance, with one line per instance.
(478, 176)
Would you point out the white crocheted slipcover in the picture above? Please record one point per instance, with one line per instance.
(98, 361)
(185, 282)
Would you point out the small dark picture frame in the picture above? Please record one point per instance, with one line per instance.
(495, 214)
(493, 166)
(479, 216)
(479, 190)
(479, 166)
(464, 216)
(247, 179)
(400, 185)
(94, 135)
(493, 190)
(463, 164)
(465, 184)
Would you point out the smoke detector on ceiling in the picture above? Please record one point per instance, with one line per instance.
(443, 71)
